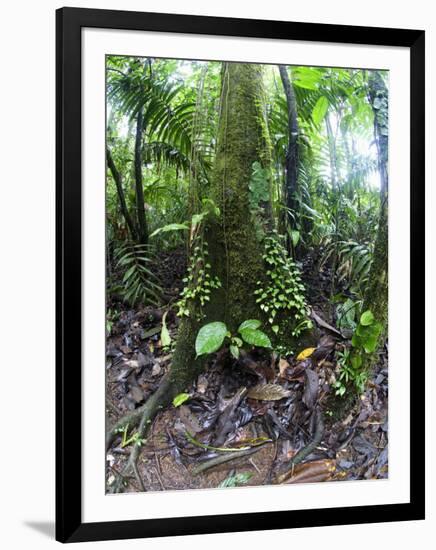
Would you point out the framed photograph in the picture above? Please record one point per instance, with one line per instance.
(240, 275)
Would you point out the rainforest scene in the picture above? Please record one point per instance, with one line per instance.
(246, 274)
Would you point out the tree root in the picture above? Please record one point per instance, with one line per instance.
(305, 451)
(144, 416)
(224, 458)
(134, 418)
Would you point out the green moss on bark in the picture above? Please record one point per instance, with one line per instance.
(376, 295)
(235, 252)
(185, 366)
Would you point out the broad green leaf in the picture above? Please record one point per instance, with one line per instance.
(320, 109)
(169, 227)
(211, 207)
(234, 350)
(180, 399)
(370, 344)
(356, 341)
(250, 323)
(366, 318)
(356, 362)
(365, 331)
(307, 84)
(295, 235)
(198, 218)
(165, 337)
(210, 338)
(255, 338)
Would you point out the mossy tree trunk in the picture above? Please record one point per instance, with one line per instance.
(235, 253)
(376, 294)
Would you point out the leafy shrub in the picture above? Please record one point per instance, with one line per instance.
(211, 337)
(352, 364)
(139, 283)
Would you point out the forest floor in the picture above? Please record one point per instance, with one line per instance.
(226, 411)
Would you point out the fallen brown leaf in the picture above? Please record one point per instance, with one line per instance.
(268, 392)
(310, 472)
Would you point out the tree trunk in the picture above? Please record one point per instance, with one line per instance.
(291, 167)
(332, 151)
(235, 253)
(121, 197)
(331, 137)
(376, 295)
(139, 190)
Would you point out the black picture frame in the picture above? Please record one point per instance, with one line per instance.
(69, 525)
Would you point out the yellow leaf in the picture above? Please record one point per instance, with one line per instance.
(305, 354)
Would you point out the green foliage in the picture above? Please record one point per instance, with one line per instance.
(233, 480)
(255, 337)
(283, 292)
(352, 362)
(169, 227)
(258, 186)
(353, 263)
(346, 314)
(367, 318)
(308, 78)
(334, 199)
(164, 334)
(350, 373)
(210, 208)
(367, 333)
(139, 283)
(199, 282)
(335, 207)
(111, 317)
(126, 440)
(320, 109)
(180, 399)
(167, 119)
(210, 337)
(252, 324)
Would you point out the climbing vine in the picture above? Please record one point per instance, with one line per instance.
(199, 282)
(283, 291)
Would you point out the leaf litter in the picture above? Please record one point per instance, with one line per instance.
(259, 404)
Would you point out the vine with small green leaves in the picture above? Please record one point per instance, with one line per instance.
(199, 281)
(283, 292)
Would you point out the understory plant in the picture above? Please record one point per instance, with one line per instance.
(283, 291)
(139, 282)
(211, 337)
(352, 363)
